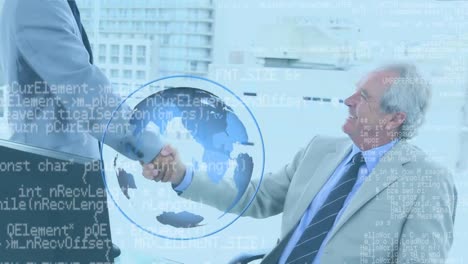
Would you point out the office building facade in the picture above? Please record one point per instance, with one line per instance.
(140, 40)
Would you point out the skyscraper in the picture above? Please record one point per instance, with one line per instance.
(139, 40)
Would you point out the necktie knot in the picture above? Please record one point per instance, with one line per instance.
(358, 159)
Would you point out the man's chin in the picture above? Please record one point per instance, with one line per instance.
(346, 129)
(351, 133)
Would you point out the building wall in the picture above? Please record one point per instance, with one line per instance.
(126, 62)
(181, 33)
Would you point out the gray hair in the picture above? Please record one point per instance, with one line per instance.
(408, 93)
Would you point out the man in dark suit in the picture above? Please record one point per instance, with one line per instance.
(58, 98)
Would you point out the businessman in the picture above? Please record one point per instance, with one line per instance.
(58, 98)
(369, 198)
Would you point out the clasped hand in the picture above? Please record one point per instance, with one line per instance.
(166, 167)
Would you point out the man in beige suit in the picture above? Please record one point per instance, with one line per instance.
(368, 198)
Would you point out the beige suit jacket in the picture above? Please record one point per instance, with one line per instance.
(403, 213)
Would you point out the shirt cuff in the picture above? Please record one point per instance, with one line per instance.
(182, 186)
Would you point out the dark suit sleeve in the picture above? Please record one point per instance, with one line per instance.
(48, 39)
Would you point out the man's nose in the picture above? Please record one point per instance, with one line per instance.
(350, 101)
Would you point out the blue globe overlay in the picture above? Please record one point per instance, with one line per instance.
(212, 124)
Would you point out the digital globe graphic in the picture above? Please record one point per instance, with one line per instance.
(214, 131)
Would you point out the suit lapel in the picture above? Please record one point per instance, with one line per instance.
(385, 173)
(314, 183)
(84, 36)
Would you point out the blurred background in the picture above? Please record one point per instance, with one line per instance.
(293, 63)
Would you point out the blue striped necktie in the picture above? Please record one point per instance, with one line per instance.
(312, 238)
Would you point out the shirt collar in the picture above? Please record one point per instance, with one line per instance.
(372, 156)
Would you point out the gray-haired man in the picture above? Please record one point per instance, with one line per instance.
(369, 198)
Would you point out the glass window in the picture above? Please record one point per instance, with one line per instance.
(193, 14)
(127, 74)
(199, 40)
(203, 66)
(102, 49)
(148, 26)
(192, 27)
(141, 51)
(193, 66)
(173, 65)
(181, 13)
(178, 39)
(114, 60)
(164, 14)
(173, 52)
(114, 73)
(137, 25)
(128, 60)
(141, 75)
(128, 50)
(165, 40)
(115, 50)
(163, 26)
(141, 61)
(176, 27)
(102, 59)
(150, 13)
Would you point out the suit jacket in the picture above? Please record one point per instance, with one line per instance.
(48, 72)
(403, 213)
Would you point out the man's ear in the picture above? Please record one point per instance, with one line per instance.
(396, 121)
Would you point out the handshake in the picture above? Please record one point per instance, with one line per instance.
(166, 167)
